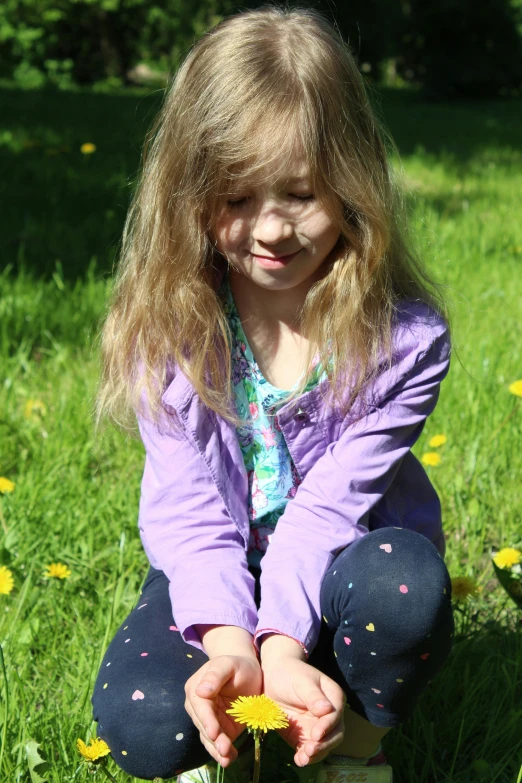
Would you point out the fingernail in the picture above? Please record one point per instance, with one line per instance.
(207, 686)
(322, 703)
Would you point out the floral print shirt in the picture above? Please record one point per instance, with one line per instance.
(272, 477)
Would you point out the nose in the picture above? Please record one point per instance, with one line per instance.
(271, 227)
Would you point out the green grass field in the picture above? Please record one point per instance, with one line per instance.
(76, 494)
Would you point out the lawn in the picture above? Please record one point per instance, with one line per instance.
(76, 492)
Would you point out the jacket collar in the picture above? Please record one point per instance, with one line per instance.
(180, 392)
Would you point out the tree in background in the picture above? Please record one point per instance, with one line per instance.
(450, 48)
(65, 42)
(372, 29)
(462, 48)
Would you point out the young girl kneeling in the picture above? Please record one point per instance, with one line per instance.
(282, 348)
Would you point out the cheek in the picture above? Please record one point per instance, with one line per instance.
(228, 232)
(322, 231)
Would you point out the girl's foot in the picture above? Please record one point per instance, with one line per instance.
(345, 769)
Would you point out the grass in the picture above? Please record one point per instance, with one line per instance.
(76, 494)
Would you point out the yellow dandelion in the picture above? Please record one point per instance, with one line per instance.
(6, 581)
(431, 458)
(94, 752)
(507, 557)
(436, 441)
(463, 588)
(516, 388)
(258, 713)
(57, 571)
(88, 148)
(6, 485)
(34, 410)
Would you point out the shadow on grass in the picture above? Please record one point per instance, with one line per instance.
(60, 205)
(458, 132)
(467, 724)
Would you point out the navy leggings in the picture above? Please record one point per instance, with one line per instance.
(387, 629)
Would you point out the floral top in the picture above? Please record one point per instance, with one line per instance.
(272, 477)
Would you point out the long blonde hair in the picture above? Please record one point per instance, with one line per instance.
(251, 84)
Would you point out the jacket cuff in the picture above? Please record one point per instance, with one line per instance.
(186, 622)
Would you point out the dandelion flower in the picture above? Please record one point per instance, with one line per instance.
(258, 712)
(431, 458)
(57, 571)
(94, 751)
(436, 441)
(6, 581)
(463, 588)
(507, 557)
(88, 148)
(6, 485)
(34, 410)
(516, 388)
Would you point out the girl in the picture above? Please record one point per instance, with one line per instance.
(282, 348)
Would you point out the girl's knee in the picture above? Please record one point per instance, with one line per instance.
(388, 554)
(394, 576)
(150, 736)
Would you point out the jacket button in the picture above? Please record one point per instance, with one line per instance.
(300, 415)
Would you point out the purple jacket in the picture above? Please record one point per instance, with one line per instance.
(358, 474)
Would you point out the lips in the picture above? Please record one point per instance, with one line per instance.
(275, 258)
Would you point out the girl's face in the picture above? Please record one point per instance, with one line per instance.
(277, 235)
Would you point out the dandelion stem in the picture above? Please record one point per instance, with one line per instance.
(2, 519)
(6, 706)
(503, 423)
(108, 774)
(257, 757)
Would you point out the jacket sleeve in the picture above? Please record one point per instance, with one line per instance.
(187, 532)
(330, 508)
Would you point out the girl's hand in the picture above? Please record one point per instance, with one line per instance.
(209, 693)
(314, 704)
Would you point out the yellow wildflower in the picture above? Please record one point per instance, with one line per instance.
(507, 557)
(436, 441)
(258, 712)
(6, 485)
(34, 410)
(88, 148)
(6, 581)
(431, 458)
(94, 752)
(463, 588)
(516, 388)
(57, 571)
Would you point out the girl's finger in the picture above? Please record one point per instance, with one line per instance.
(325, 725)
(214, 678)
(209, 725)
(316, 751)
(308, 691)
(334, 693)
(224, 760)
(205, 718)
(209, 746)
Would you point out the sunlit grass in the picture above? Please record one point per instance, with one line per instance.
(76, 494)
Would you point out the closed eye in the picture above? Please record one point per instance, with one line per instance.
(236, 202)
(241, 201)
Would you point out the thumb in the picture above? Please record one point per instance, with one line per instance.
(218, 673)
(316, 702)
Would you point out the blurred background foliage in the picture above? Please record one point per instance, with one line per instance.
(448, 48)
